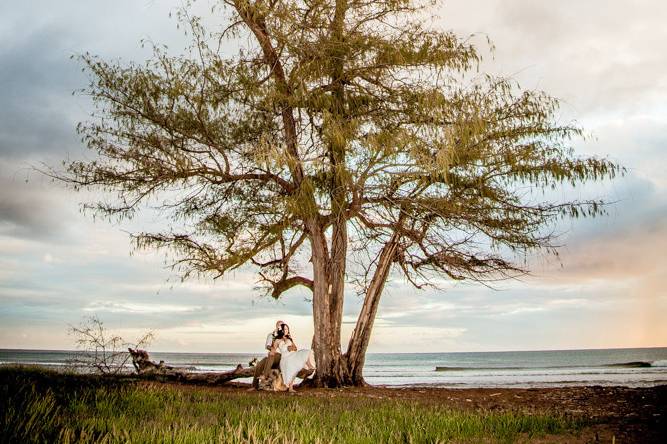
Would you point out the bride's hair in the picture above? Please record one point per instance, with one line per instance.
(281, 332)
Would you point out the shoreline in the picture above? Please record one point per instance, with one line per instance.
(639, 383)
(548, 350)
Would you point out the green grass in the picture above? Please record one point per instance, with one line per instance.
(42, 406)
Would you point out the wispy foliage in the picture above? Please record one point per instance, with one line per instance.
(378, 122)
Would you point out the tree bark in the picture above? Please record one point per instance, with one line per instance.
(356, 349)
(326, 302)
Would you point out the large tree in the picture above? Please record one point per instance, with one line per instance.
(344, 141)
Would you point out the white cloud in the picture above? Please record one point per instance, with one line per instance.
(134, 308)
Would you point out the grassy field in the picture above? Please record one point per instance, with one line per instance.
(44, 406)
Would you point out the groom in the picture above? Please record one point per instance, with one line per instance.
(272, 361)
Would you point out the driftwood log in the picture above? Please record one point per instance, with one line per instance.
(160, 371)
(147, 368)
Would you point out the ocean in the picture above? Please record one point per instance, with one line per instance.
(635, 367)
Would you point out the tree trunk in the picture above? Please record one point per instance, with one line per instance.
(329, 266)
(333, 368)
(356, 349)
(327, 313)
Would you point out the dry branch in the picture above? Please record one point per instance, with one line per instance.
(149, 369)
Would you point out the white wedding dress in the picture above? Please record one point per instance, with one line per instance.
(291, 362)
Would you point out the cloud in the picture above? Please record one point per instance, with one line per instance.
(574, 49)
(38, 114)
(57, 265)
(134, 308)
(390, 339)
(638, 142)
(629, 243)
(30, 210)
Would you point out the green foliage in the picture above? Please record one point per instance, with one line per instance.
(40, 406)
(352, 115)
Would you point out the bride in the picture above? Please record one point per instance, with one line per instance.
(291, 360)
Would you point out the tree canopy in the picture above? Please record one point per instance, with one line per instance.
(338, 129)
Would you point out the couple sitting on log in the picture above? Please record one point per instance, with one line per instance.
(283, 355)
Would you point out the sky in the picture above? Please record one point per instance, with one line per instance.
(604, 59)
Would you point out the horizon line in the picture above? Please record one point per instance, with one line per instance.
(368, 353)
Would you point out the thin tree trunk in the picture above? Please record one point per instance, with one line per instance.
(356, 350)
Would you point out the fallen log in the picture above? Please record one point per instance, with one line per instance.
(149, 369)
(160, 371)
